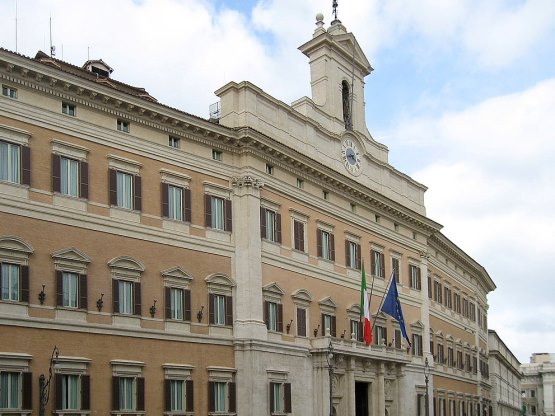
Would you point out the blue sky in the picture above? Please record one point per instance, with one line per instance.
(462, 93)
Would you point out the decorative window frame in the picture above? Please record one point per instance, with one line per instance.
(18, 363)
(220, 284)
(124, 164)
(16, 251)
(301, 218)
(273, 293)
(353, 314)
(128, 368)
(129, 269)
(222, 375)
(178, 278)
(20, 138)
(302, 299)
(399, 256)
(327, 307)
(69, 150)
(279, 377)
(272, 245)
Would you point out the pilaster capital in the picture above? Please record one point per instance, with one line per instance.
(246, 181)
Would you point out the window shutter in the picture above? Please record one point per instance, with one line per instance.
(27, 391)
(137, 196)
(24, 283)
(278, 227)
(59, 288)
(113, 187)
(323, 332)
(266, 314)
(347, 254)
(211, 396)
(85, 392)
(187, 304)
(84, 180)
(56, 173)
(280, 317)
(140, 393)
(360, 331)
(229, 311)
(189, 396)
(208, 211)
(26, 165)
(262, 222)
(373, 262)
(298, 230)
(115, 297)
(165, 200)
(167, 304)
(168, 395)
(333, 327)
(187, 205)
(397, 339)
(232, 397)
(287, 397)
(301, 322)
(418, 278)
(332, 247)
(301, 237)
(319, 243)
(211, 308)
(228, 216)
(115, 393)
(83, 298)
(359, 257)
(137, 298)
(0, 276)
(382, 265)
(272, 403)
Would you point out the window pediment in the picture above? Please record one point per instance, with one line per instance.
(126, 267)
(327, 303)
(70, 259)
(273, 289)
(176, 273)
(219, 282)
(16, 249)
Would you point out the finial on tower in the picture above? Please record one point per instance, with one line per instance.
(334, 6)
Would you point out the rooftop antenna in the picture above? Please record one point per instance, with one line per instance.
(52, 47)
(334, 6)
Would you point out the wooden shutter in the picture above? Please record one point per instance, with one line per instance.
(280, 317)
(137, 196)
(165, 200)
(140, 393)
(398, 339)
(323, 319)
(59, 288)
(211, 396)
(229, 311)
(187, 304)
(167, 304)
(228, 215)
(137, 298)
(208, 211)
(419, 281)
(272, 403)
(359, 257)
(262, 222)
(187, 205)
(332, 247)
(167, 395)
(56, 173)
(360, 331)
(189, 396)
(319, 243)
(347, 254)
(113, 187)
(373, 262)
(115, 297)
(278, 227)
(26, 165)
(83, 297)
(298, 230)
(211, 301)
(382, 265)
(24, 290)
(301, 322)
(333, 331)
(232, 397)
(287, 397)
(85, 392)
(27, 391)
(84, 180)
(115, 393)
(266, 314)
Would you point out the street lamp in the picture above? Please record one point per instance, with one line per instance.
(426, 378)
(44, 384)
(329, 359)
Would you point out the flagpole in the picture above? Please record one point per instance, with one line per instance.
(383, 297)
(370, 297)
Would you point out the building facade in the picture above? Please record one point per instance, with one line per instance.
(505, 378)
(538, 384)
(186, 266)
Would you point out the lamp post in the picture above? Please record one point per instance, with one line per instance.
(44, 384)
(329, 359)
(426, 378)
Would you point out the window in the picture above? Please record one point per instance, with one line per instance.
(457, 302)
(15, 161)
(273, 316)
(396, 226)
(472, 311)
(178, 303)
(11, 279)
(440, 354)
(417, 345)
(280, 398)
(414, 276)
(430, 288)
(438, 291)
(218, 214)
(300, 183)
(377, 264)
(298, 235)
(15, 390)
(71, 290)
(178, 388)
(467, 365)
(353, 207)
(450, 358)
(448, 297)
(68, 109)
(325, 245)
(270, 225)
(460, 364)
(301, 322)
(68, 178)
(328, 322)
(352, 255)
(221, 397)
(123, 125)
(221, 310)
(465, 307)
(357, 331)
(176, 202)
(125, 190)
(14, 271)
(217, 155)
(128, 393)
(326, 195)
(397, 338)
(126, 285)
(72, 392)
(174, 142)
(269, 169)
(395, 266)
(380, 335)
(9, 91)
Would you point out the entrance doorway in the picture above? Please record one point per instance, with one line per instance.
(361, 399)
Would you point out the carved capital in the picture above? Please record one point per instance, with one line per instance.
(246, 181)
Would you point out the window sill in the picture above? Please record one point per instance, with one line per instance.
(70, 314)
(126, 320)
(14, 189)
(271, 246)
(71, 202)
(72, 412)
(176, 225)
(127, 413)
(15, 412)
(8, 307)
(220, 235)
(299, 255)
(125, 214)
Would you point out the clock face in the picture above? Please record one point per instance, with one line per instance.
(351, 156)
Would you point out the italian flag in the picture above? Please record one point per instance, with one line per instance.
(365, 309)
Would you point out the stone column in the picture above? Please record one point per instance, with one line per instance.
(350, 367)
(381, 389)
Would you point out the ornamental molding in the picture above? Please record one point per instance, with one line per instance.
(246, 181)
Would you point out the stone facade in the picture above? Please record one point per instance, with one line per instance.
(538, 384)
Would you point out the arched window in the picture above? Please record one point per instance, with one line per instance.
(345, 94)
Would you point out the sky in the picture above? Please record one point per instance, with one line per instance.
(462, 93)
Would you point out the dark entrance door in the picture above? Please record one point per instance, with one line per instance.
(361, 399)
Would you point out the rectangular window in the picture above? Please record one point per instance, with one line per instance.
(356, 330)
(126, 393)
(10, 162)
(450, 358)
(273, 316)
(70, 289)
(270, 225)
(9, 390)
(380, 335)
(218, 397)
(395, 266)
(414, 276)
(398, 339)
(70, 392)
(175, 203)
(328, 322)
(298, 235)
(280, 398)
(325, 243)
(448, 298)
(125, 297)
(219, 310)
(269, 169)
(218, 213)
(217, 155)
(177, 394)
(457, 302)
(9, 91)
(377, 263)
(301, 322)
(326, 195)
(417, 345)
(124, 190)
(352, 254)
(123, 125)
(465, 307)
(472, 311)
(176, 296)
(68, 109)
(460, 364)
(69, 177)
(300, 183)
(10, 281)
(174, 142)
(440, 354)
(438, 292)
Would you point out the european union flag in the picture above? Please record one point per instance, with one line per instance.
(392, 306)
